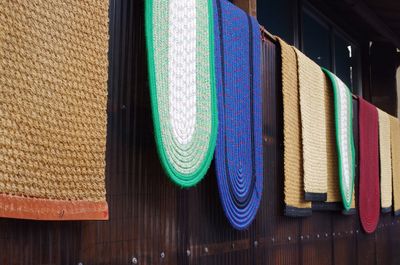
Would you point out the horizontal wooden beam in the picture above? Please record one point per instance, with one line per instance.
(374, 21)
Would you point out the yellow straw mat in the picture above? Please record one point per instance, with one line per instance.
(385, 160)
(333, 191)
(395, 145)
(313, 121)
(293, 167)
(53, 93)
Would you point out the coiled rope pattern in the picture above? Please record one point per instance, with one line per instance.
(181, 67)
(239, 144)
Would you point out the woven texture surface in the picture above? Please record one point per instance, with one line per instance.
(344, 140)
(180, 39)
(385, 159)
(395, 147)
(239, 152)
(293, 156)
(53, 93)
(369, 199)
(313, 121)
(333, 191)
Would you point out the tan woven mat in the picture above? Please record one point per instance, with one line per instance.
(53, 93)
(333, 197)
(293, 162)
(385, 160)
(395, 147)
(333, 190)
(314, 124)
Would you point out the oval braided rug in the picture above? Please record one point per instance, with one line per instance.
(239, 144)
(369, 200)
(180, 45)
(344, 137)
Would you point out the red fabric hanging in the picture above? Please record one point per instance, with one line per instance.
(369, 196)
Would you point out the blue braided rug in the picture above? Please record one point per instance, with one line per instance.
(239, 161)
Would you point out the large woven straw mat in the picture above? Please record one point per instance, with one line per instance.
(385, 161)
(333, 191)
(342, 109)
(395, 147)
(314, 128)
(333, 199)
(180, 45)
(53, 93)
(239, 151)
(295, 205)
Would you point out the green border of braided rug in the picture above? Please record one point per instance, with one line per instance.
(185, 161)
(344, 141)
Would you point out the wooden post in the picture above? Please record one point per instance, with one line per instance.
(250, 6)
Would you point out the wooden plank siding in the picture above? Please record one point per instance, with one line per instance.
(154, 222)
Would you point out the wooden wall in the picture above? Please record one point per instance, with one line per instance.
(154, 222)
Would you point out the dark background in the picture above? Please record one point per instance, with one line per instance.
(154, 222)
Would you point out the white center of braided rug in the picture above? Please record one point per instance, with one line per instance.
(344, 133)
(182, 68)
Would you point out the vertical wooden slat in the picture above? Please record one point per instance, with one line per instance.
(344, 245)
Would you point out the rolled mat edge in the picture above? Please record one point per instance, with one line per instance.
(19, 207)
(315, 197)
(386, 210)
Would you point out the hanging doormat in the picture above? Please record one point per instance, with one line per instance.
(295, 205)
(333, 191)
(385, 161)
(238, 157)
(180, 46)
(313, 121)
(395, 146)
(369, 201)
(343, 109)
(333, 198)
(53, 93)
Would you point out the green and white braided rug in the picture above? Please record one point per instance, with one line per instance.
(180, 44)
(344, 137)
